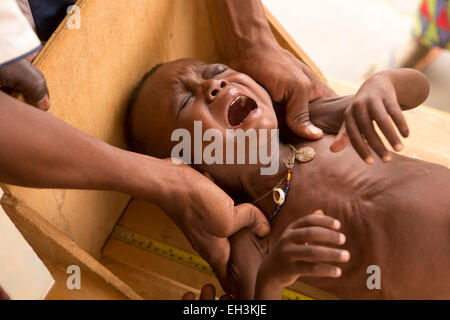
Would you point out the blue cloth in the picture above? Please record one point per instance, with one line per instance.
(47, 15)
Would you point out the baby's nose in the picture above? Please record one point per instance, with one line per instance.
(213, 87)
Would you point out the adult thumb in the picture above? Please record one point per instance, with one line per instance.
(34, 88)
(248, 216)
(297, 116)
(24, 77)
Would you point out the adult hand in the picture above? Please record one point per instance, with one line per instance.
(289, 82)
(25, 78)
(208, 216)
(3, 295)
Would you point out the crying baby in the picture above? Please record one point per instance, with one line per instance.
(332, 215)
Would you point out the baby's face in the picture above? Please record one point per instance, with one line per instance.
(187, 90)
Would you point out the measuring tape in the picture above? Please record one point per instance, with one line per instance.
(178, 255)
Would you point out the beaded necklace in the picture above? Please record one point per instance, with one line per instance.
(279, 195)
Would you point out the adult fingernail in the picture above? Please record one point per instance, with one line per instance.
(387, 158)
(398, 147)
(345, 255)
(44, 103)
(342, 239)
(336, 224)
(405, 133)
(338, 272)
(314, 130)
(370, 160)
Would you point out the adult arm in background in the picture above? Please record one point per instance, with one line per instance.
(251, 48)
(38, 150)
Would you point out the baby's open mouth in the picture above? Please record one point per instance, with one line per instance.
(240, 109)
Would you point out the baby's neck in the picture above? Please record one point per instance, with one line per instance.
(258, 188)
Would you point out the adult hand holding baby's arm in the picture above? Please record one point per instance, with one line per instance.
(381, 99)
(251, 48)
(295, 254)
(208, 216)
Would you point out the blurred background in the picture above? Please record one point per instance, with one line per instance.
(346, 38)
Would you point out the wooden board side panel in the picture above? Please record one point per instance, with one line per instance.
(57, 252)
(91, 73)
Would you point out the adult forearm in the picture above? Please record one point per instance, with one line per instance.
(243, 25)
(39, 150)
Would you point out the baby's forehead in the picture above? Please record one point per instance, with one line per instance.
(182, 66)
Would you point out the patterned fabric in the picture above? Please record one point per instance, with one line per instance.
(433, 23)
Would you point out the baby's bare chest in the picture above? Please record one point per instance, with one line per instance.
(388, 214)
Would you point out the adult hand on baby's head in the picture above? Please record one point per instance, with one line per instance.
(289, 82)
(28, 80)
(208, 216)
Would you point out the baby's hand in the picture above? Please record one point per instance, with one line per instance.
(376, 101)
(300, 252)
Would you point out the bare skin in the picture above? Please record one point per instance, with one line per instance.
(25, 78)
(393, 213)
(251, 44)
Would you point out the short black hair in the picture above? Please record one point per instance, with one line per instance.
(130, 139)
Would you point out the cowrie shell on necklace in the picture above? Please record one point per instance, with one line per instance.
(305, 154)
(278, 196)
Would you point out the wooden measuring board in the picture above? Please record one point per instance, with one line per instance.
(151, 254)
(178, 255)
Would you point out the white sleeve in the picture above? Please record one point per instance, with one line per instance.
(17, 38)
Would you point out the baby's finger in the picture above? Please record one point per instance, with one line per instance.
(356, 139)
(318, 234)
(188, 296)
(208, 292)
(395, 111)
(382, 118)
(365, 124)
(316, 253)
(317, 270)
(341, 140)
(316, 220)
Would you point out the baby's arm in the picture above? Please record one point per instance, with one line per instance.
(298, 253)
(411, 86)
(255, 274)
(381, 99)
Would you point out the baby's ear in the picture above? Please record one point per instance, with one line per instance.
(206, 174)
